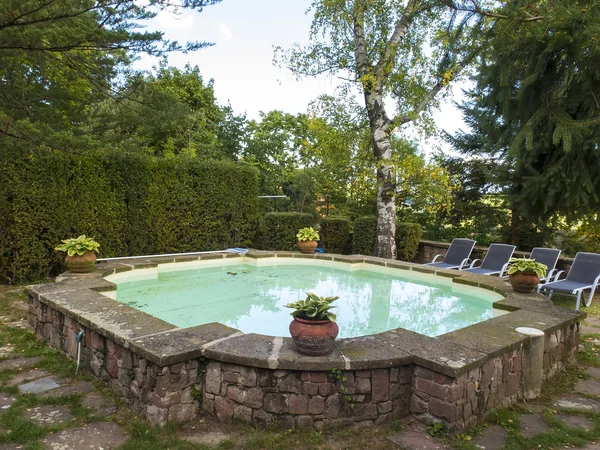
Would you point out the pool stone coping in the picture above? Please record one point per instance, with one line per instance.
(80, 297)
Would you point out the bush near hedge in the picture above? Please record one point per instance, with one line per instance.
(335, 234)
(278, 230)
(364, 235)
(131, 204)
(408, 236)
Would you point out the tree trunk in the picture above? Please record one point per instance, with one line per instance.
(385, 246)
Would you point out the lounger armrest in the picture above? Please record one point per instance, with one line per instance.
(464, 263)
(503, 270)
(473, 263)
(558, 274)
(436, 257)
(549, 276)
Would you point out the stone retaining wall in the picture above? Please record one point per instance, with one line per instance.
(170, 374)
(306, 399)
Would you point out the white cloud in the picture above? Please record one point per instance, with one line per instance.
(225, 31)
(173, 19)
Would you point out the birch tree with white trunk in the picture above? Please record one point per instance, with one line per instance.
(403, 52)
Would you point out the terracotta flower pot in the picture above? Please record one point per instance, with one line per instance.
(313, 337)
(307, 247)
(524, 283)
(81, 263)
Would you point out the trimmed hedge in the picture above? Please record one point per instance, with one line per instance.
(278, 230)
(364, 235)
(131, 204)
(335, 234)
(408, 236)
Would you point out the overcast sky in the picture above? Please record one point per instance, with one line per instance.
(241, 61)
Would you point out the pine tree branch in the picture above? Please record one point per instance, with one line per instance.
(476, 9)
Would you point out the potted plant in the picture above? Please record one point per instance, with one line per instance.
(524, 274)
(313, 329)
(307, 240)
(81, 253)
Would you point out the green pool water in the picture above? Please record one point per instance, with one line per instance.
(251, 297)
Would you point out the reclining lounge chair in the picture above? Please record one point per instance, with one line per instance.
(457, 255)
(495, 260)
(584, 274)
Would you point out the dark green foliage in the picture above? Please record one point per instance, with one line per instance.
(131, 204)
(278, 230)
(408, 236)
(335, 234)
(364, 235)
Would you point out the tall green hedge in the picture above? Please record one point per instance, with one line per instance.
(408, 236)
(364, 235)
(131, 204)
(335, 234)
(278, 230)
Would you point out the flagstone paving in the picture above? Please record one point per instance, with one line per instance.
(44, 405)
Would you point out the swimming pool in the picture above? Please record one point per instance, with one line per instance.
(250, 295)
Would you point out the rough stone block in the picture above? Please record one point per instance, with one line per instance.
(275, 403)
(326, 389)
(231, 377)
(431, 388)
(182, 412)
(384, 407)
(380, 389)
(316, 405)
(441, 409)
(290, 383)
(247, 376)
(422, 372)
(304, 422)
(365, 411)
(334, 407)
(243, 413)
(236, 394)
(309, 388)
(363, 374)
(363, 385)
(297, 404)
(318, 377)
(224, 408)
(213, 378)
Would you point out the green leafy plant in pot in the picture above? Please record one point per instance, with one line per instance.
(307, 240)
(524, 274)
(314, 328)
(81, 253)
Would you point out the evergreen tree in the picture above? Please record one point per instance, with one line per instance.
(535, 109)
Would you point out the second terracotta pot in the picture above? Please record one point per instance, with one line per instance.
(524, 283)
(313, 337)
(307, 247)
(81, 263)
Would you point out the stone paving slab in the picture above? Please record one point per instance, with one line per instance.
(19, 363)
(39, 386)
(30, 375)
(23, 325)
(6, 350)
(96, 436)
(493, 438)
(593, 372)
(80, 387)
(588, 387)
(6, 401)
(102, 406)
(7, 446)
(416, 440)
(592, 322)
(589, 330)
(48, 414)
(209, 439)
(581, 422)
(532, 425)
(576, 403)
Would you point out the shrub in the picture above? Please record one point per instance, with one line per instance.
(131, 204)
(364, 235)
(278, 230)
(408, 236)
(335, 234)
